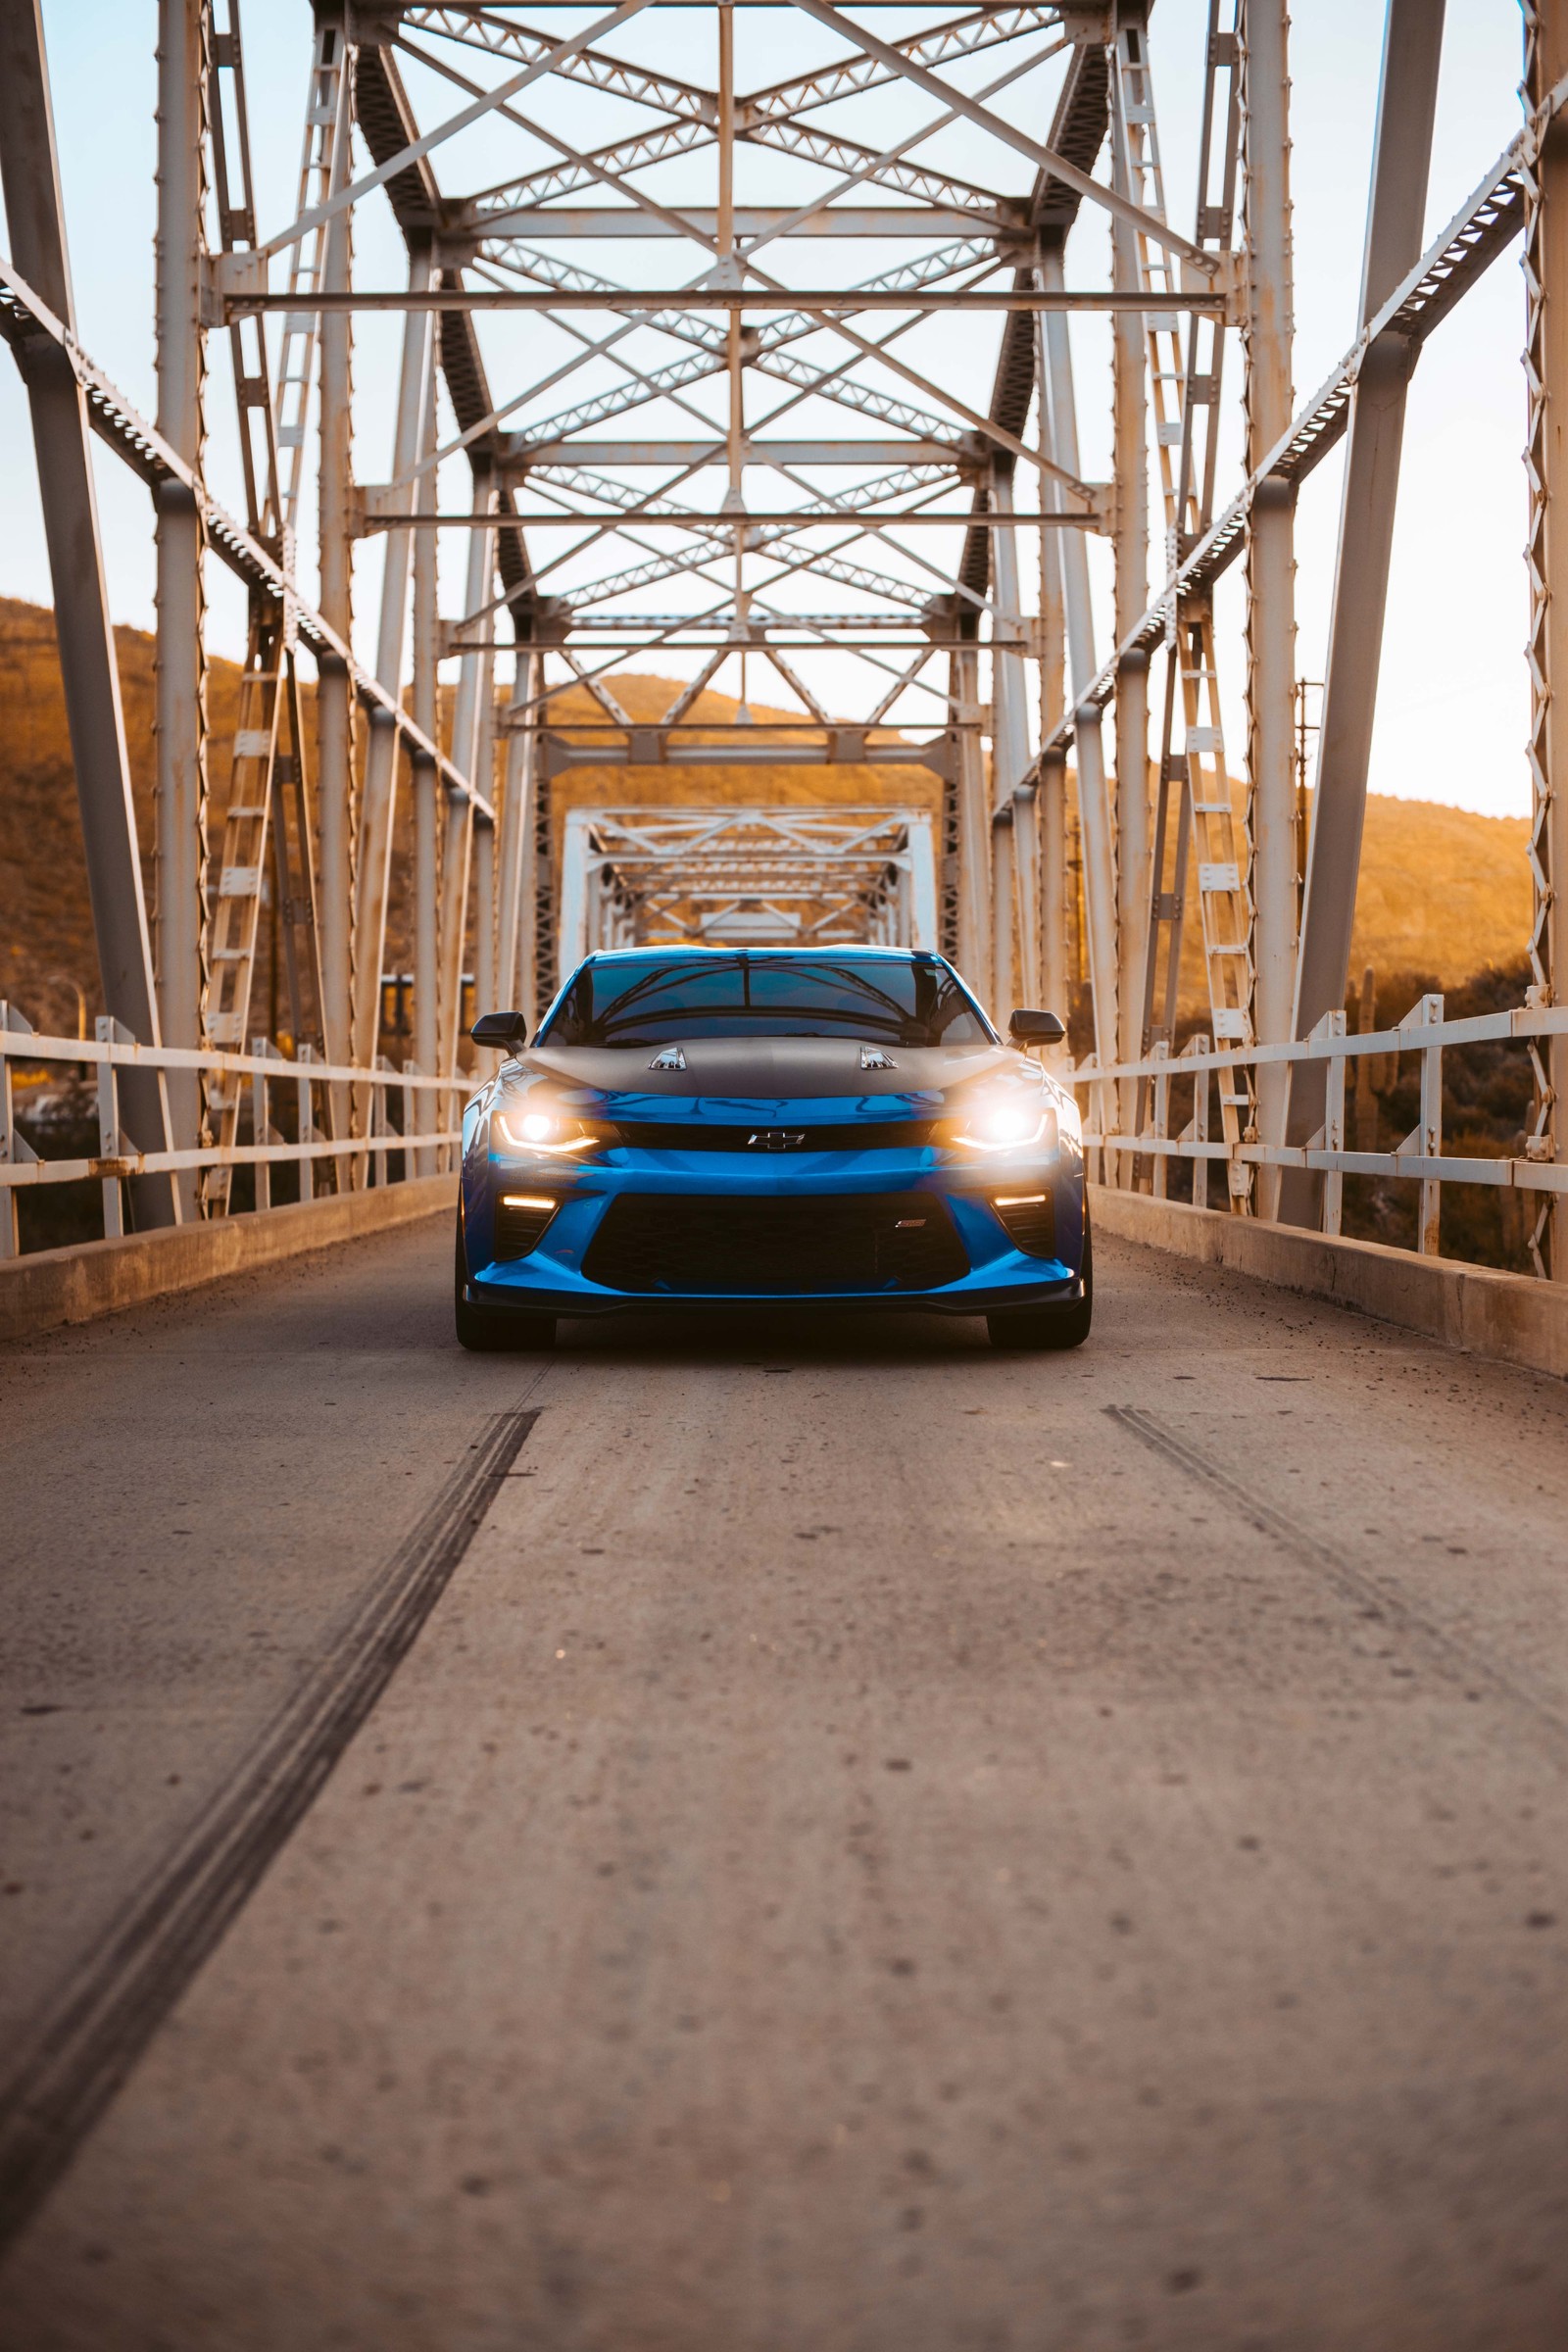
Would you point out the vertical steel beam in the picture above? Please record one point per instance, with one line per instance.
(1266, 334)
(576, 880)
(1547, 465)
(181, 702)
(470, 736)
(378, 809)
(29, 175)
(1003, 912)
(1094, 802)
(1051, 796)
(484, 911)
(335, 701)
(1011, 691)
(472, 700)
(424, 787)
(456, 857)
(1130, 548)
(920, 879)
(484, 831)
(517, 820)
(1050, 803)
(1401, 160)
(974, 820)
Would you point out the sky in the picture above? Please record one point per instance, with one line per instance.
(1454, 709)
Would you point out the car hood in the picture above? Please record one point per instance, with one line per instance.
(722, 1074)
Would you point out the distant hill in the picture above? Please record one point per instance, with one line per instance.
(1443, 892)
(46, 942)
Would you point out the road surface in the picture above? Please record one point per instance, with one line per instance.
(780, 1838)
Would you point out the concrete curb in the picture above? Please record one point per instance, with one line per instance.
(1510, 1316)
(99, 1278)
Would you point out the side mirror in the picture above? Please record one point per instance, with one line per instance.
(1029, 1028)
(505, 1031)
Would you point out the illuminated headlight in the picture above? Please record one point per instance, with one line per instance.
(1003, 1126)
(542, 1131)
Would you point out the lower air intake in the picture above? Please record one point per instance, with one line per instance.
(520, 1230)
(777, 1247)
(1031, 1225)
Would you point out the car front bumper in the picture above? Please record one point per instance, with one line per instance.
(551, 1279)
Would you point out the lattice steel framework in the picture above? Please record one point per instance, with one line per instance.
(832, 303)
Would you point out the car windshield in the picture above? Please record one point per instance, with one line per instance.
(651, 1000)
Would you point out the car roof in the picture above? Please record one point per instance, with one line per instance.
(697, 947)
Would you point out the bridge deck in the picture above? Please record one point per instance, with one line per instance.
(877, 1844)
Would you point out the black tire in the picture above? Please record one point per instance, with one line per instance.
(1050, 1327)
(489, 1330)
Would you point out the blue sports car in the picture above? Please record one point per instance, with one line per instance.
(722, 1127)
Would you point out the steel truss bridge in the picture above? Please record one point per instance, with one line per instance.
(771, 1832)
(855, 487)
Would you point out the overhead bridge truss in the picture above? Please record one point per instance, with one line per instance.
(793, 876)
(734, 430)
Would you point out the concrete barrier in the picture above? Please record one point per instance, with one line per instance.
(98, 1278)
(1514, 1318)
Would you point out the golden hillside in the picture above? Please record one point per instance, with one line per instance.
(1443, 892)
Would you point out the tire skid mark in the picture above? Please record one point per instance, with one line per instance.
(84, 2045)
(1459, 1657)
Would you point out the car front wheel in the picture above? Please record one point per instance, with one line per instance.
(491, 1330)
(1053, 1327)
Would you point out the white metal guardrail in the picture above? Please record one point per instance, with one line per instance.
(329, 1098)
(431, 1111)
(1145, 1089)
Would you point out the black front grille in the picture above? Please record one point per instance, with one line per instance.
(651, 1242)
(1031, 1225)
(706, 1135)
(520, 1230)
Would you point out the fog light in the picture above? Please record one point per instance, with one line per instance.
(522, 1219)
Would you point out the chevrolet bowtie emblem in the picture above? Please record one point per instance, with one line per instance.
(775, 1139)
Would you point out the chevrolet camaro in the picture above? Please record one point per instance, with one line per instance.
(714, 1127)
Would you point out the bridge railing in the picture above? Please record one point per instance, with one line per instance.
(403, 1122)
(1145, 1087)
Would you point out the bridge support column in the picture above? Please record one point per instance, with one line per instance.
(1051, 802)
(1094, 800)
(516, 816)
(1004, 848)
(1050, 796)
(372, 881)
(424, 788)
(180, 706)
(1130, 426)
(1547, 460)
(1270, 558)
(482, 771)
(334, 692)
(30, 174)
(1401, 160)
(974, 821)
(1009, 691)
(470, 738)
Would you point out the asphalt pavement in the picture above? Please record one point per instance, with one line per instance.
(780, 1836)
